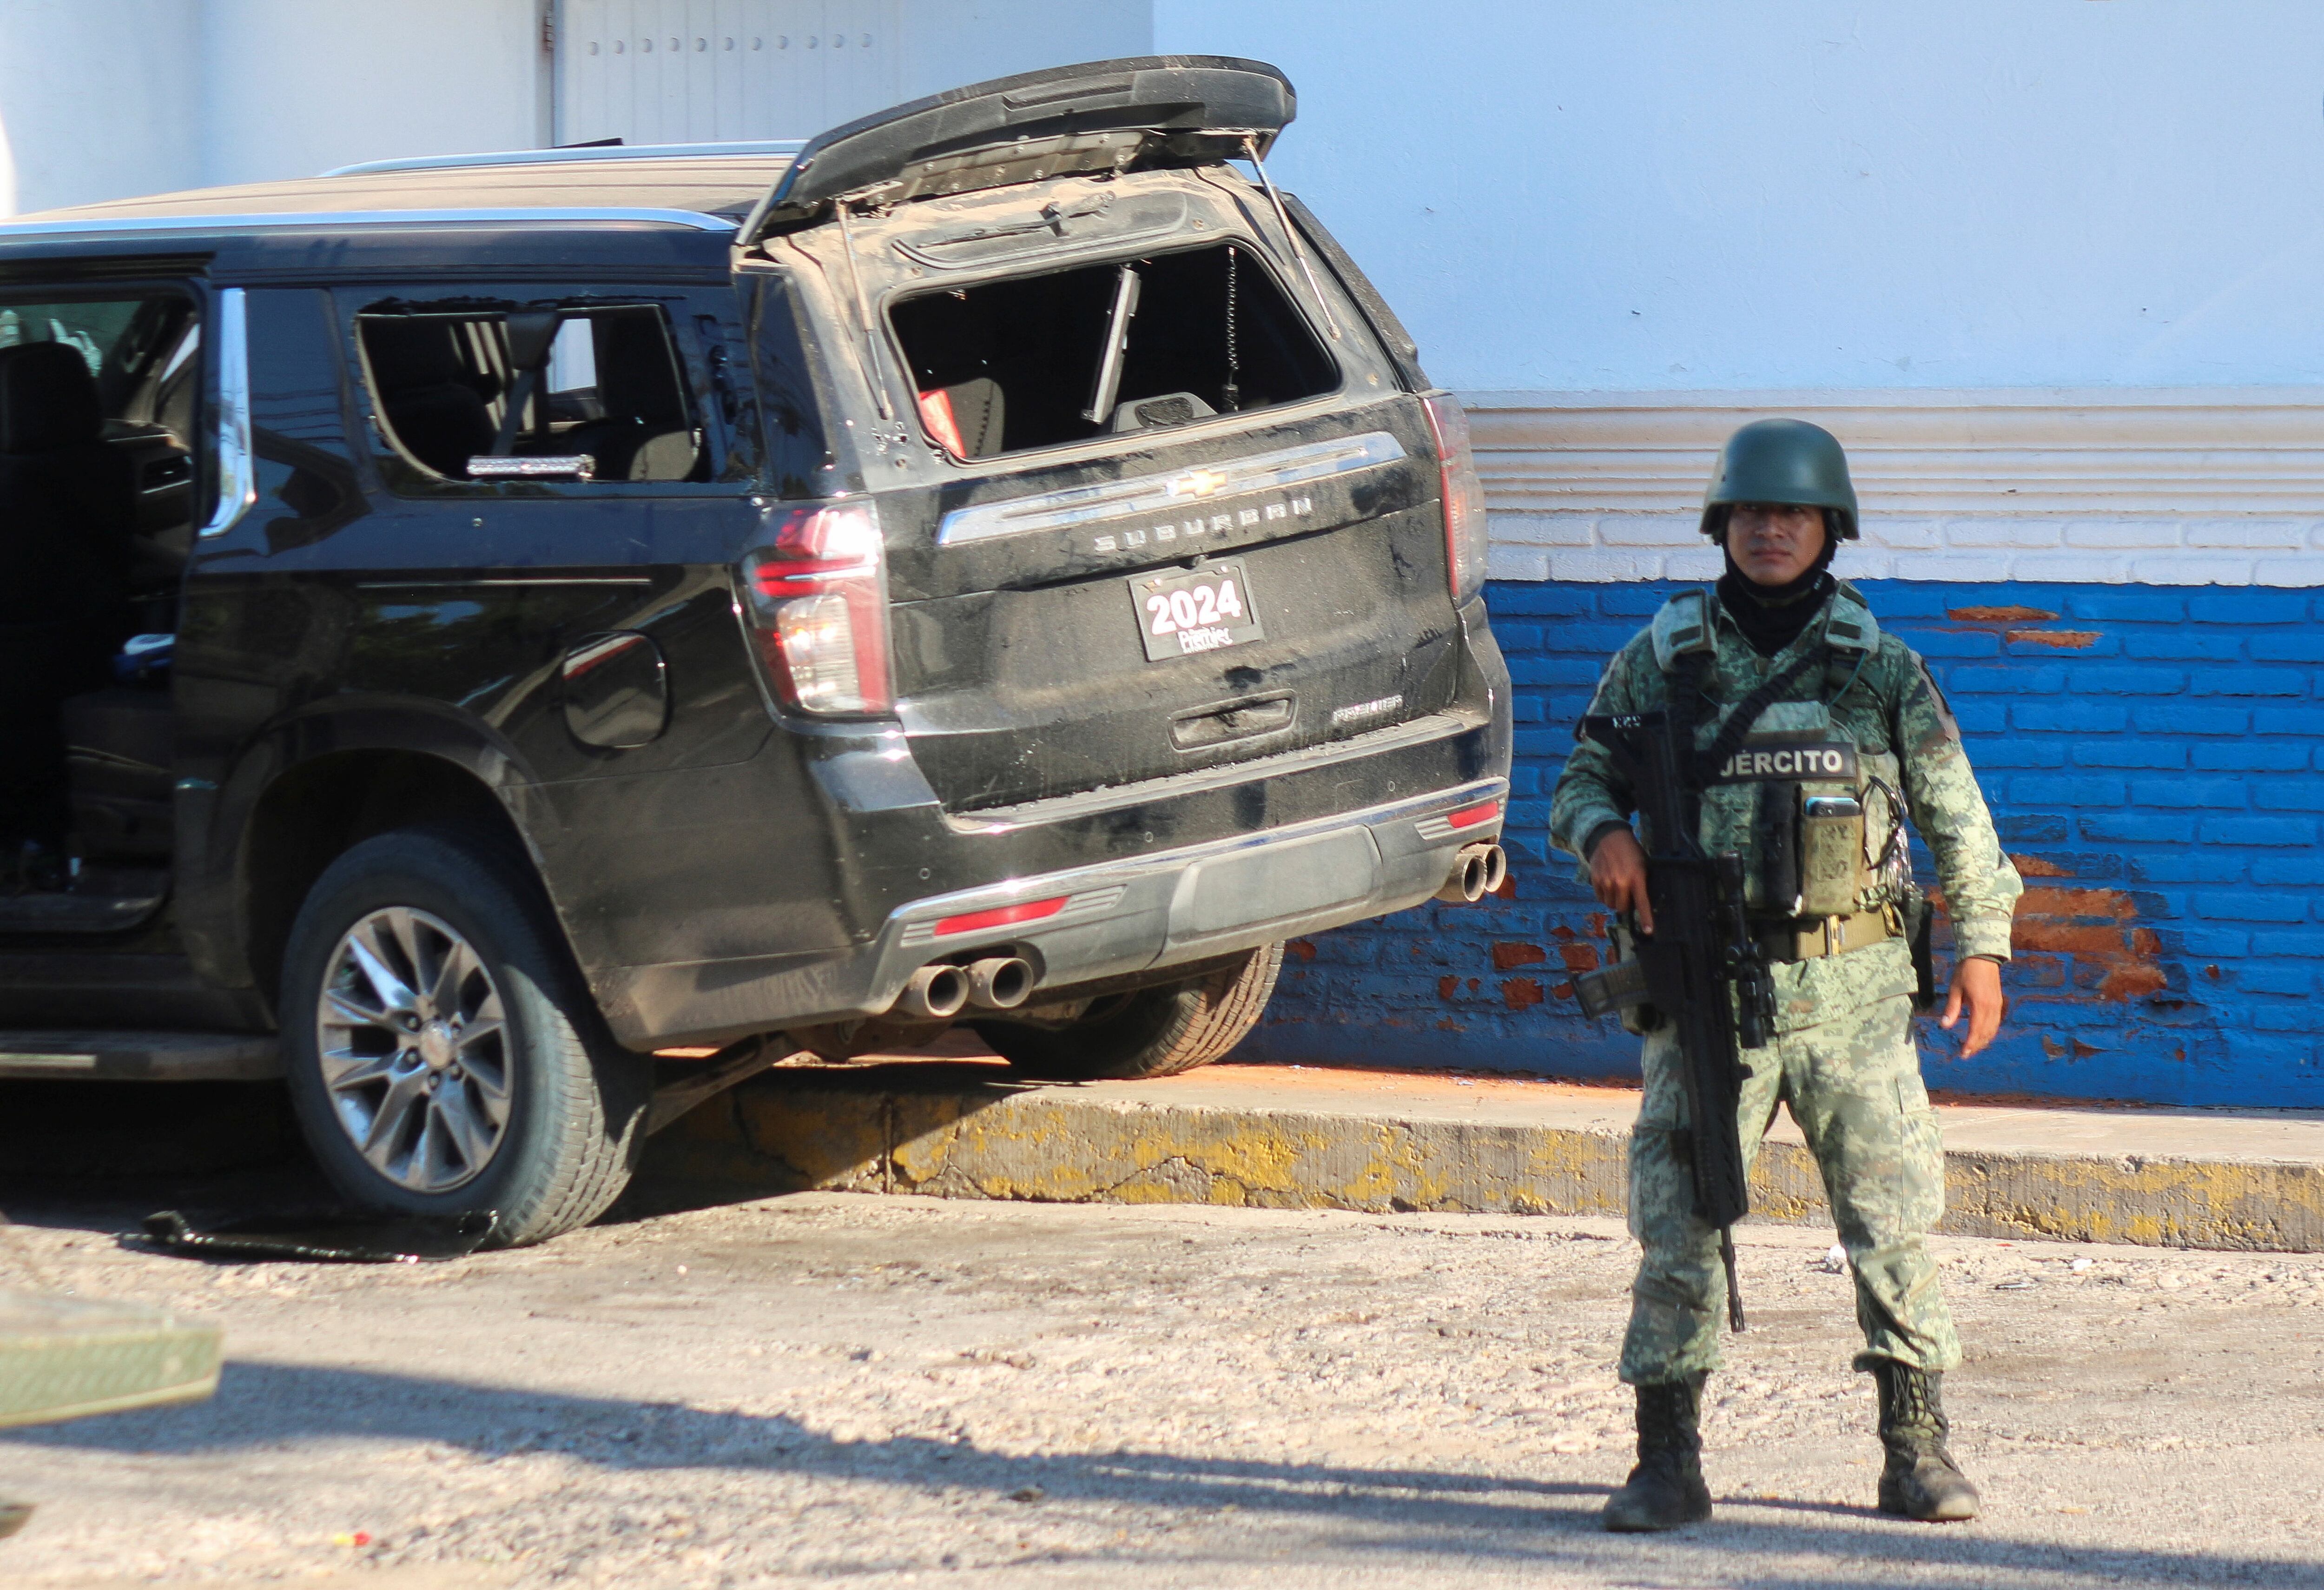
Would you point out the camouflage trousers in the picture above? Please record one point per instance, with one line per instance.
(1853, 1083)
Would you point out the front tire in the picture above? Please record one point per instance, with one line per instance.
(443, 1055)
(1150, 1031)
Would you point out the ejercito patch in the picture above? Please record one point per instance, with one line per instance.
(1834, 759)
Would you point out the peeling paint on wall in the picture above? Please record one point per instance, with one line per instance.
(2151, 756)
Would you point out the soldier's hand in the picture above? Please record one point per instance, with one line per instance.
(1617, 876)
(1977, 981)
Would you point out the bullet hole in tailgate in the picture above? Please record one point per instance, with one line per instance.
(1030, 362)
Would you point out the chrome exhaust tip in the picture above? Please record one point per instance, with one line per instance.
(1477, 871)
(999, 982)
(1497, 868)
(934, 994)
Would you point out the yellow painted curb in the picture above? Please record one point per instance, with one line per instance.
(953, 1135)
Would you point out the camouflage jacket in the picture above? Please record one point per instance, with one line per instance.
(1877, 692)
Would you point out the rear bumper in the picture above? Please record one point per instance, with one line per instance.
(1124, 916)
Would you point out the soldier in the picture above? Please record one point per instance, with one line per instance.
(1842, 1057)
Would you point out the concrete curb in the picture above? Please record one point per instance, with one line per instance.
(1292, 1138)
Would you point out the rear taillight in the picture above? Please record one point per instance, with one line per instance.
(1464, 497)
(1001, 916)
(1469, 817)
(818, 602)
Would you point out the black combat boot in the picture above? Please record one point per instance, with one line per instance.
(1920, 1479)
(1666, 1490)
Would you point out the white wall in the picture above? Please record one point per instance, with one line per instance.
(297, 87)
(1561, 195)
(1717, 194)
(105, 99)
(949, 43)
(98, 99)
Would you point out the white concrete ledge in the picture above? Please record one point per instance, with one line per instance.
(2207, 485)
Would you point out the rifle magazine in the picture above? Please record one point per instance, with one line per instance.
(1611, 990)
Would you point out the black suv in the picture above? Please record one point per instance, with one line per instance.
(470, 625)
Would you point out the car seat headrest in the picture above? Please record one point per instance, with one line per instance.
(48, 399)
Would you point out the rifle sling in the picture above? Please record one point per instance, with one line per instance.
(1732, 732)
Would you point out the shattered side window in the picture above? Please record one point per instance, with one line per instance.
(1042, 360)
(592, 391)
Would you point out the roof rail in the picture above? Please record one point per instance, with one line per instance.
(12, 231)
(587, 152)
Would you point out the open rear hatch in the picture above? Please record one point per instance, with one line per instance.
(1182, 511)
(1114, 115)
(1234, 554)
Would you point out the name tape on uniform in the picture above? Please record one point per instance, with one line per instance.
(1836, 760)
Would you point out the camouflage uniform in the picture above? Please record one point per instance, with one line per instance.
(1843, 1056)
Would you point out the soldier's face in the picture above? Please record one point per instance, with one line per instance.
(1774, 543)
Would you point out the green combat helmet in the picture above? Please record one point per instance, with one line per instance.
(1781, 461)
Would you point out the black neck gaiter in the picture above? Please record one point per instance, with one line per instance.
(1771, 617)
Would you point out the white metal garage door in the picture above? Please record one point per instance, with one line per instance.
(698, 71)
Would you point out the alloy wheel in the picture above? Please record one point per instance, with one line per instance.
(414, 1045)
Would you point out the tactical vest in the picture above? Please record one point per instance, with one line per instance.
(1817, 819)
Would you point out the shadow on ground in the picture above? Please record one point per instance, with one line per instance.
(1381, 1510)
(102, 1155)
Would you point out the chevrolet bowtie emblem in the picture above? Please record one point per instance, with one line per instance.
(1200, 483)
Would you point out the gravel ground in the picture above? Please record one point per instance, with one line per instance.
(908, 1391)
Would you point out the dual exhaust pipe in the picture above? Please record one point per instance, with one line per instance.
(1477, 871)
(938, 993)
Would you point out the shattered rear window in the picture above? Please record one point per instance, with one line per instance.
(1039, 361)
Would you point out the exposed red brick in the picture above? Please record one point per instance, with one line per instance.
(2064, 639)
(1299, 949)
(2034, 866)
(1518, 993)
(1509, 956)
(1472, 985)
(1579, 958)
(1997, 614)
(1560, 931)
(2110, 959)
(2043, 900)
(1448, 987)
(2038, 971)
(1563, 991)
(2130, 981)
(2069, 937)
(2212, 973)
(1595, 925)
(1509, 889)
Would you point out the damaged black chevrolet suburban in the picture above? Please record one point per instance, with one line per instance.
(471, 624)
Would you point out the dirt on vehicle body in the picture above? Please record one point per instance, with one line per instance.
(997, 562)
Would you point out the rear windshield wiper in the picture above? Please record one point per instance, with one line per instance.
(1117, 339)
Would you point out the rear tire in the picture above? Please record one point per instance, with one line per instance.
(444, 1055)
(1148, 1032)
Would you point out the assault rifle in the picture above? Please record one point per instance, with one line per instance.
(1702, 946)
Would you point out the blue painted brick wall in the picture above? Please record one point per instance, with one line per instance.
(2152, 758)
